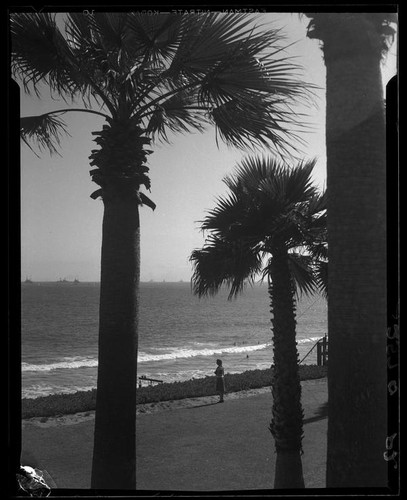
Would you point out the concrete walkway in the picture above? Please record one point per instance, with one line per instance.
(209, 446)
(189, 445)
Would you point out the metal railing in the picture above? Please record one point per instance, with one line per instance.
(150, 381)
(322, 351)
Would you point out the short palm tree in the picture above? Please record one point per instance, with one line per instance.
(146, 75)
(272, 222)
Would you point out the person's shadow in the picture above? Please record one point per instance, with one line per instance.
(200, 406)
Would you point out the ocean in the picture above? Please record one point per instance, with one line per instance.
(181, 336)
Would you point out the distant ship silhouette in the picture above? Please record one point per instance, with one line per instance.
(75, 281)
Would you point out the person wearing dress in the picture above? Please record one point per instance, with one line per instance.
(220, 381)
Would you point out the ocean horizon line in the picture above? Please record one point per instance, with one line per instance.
(98, 281)
(31, 283)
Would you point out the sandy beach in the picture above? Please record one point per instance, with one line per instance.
(192, 444)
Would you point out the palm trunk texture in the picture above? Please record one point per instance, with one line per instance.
(114, 441)
(356, 187)
(287, 413)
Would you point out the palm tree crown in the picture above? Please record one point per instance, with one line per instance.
(270, 208)
(373, 31)
(148, 75)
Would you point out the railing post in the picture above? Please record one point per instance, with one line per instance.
(324, 351)
(319, 360)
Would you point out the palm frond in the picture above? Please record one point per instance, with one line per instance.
(294, 184)
(45, 130)
(79, 29)
(268, 200)
(318, 247)
(322, 277)
(303, 274)
(237, 74)
(100, 60)
(103, 37)
(221, 262)
(205, 40)
(251, 123)
(155, 37)
(251, 171)
(314, 227)
(111, 28)
(228, 211)
(318, 204)
(39, 53)
(176, 114)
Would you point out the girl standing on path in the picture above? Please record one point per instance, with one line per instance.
(220, 381)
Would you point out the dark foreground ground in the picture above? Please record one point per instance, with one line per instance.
(190, 445)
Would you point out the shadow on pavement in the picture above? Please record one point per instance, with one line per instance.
(200, 406)
(322, 413)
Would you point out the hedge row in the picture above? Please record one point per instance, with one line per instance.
(82, 401)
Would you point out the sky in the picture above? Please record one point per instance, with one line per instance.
(61, 225)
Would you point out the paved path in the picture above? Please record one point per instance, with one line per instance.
(222, 447)
(189, 445)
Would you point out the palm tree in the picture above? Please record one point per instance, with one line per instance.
(353, 46)
(270, 214)
(145, 76)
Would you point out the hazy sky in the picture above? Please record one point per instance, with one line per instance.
(61, 224)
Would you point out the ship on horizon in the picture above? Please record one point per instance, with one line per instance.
(64, 280)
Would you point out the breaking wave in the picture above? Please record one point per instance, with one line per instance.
(66, 364)
(171, 354)
(190, 353)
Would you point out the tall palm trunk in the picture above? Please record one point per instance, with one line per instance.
(114, 440)
(356, 186)
(286, 425)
